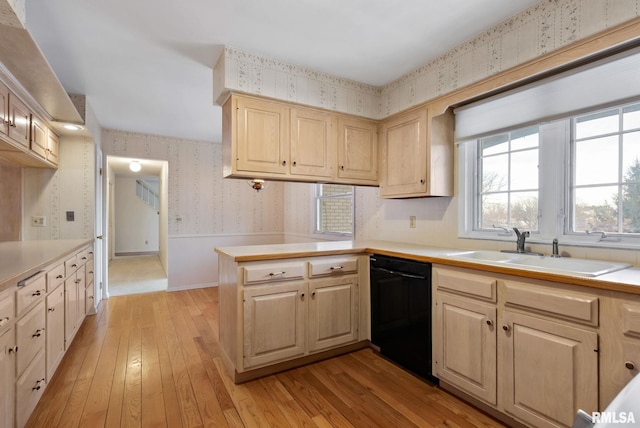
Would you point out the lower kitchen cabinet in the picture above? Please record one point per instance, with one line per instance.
(525, 348)
(288, 312)
(70, 309)
(55, 330)
(550, 370)
(7, 373)
(29, 388)
(274, 323)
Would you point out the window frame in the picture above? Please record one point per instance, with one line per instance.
(555, 188)
(318, 198)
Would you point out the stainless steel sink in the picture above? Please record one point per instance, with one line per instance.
(571, 266)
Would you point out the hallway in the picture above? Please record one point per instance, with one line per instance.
(135, 275)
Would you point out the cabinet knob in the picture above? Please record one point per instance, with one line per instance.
(52, 309)
(630, 365)
(313, 294)
(489, 323)
(4, 320)
(302, 295)
(342, 167)
(14, 350)
(506, 327)
(295, 163)
(422, 181)
(284, 163)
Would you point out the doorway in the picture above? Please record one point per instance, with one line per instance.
(137, 228)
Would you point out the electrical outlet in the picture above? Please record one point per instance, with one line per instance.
(412, 221)
(38, 221)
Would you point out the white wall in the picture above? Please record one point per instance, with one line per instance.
(136, 223)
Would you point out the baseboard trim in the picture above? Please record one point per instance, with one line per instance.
(191, 286)
(137, 253)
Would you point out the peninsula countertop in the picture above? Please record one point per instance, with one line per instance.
(21, 259)
(626, 280)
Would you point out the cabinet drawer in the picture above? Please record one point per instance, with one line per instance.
(55, 277)
(30, 336)
(333, 266)
(88, 299)
(6, 309)
(30, 291)
(582, 308)
(273, 272)
(71, 265)
(465, 283)
(88, 271)
(631, 320)
(29, 389)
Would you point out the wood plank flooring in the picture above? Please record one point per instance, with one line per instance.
(152, 360)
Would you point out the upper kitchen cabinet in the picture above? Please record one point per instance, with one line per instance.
(417, 155)
(275, 140)
(19, 116)
(358, 150)
(4, 109)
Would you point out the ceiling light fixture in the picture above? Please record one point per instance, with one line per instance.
(72, 127)
(257, 184)
(135, 166)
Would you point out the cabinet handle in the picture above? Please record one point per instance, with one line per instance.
(284, 163)
(630, 365)
(14, 350)
(52, 309)
(272, 274)
(4, 320)
(59, 277)
(38, 385)
(78, 281)
(13, 124)
(37, 333)
(36, 293)
(489, 323)
(336, 268)
(506, 327)
(74, 265)
(91, 297)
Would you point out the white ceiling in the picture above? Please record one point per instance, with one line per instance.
(146, 65)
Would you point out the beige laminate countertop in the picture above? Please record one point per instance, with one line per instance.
(626, 280)
(21, 259)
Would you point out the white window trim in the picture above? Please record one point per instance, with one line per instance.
(316, 215)
(554, 200)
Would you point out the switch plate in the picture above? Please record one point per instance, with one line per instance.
(412, 221)
(38, 221)
(71, 216)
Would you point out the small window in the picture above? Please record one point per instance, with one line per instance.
(334, 209)
(605, 191)
(508, 180)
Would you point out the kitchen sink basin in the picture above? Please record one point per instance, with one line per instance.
(581, 267)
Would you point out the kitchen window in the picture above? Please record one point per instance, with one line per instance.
(334, 209)
(576, 179)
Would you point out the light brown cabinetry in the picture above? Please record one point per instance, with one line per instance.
(285, 312)
(19, 121)
(417, 155)
(4, 109)
(55, 330)
(522, 347)
(269, 139)
(44, 142)
(7, 358)
(358, 150)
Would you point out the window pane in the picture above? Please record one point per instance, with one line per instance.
(596, 161)
(631, 117)
(335, 215)
(524, 170)
(631, 208)
(595, 209)
(493, 210)
(631, 157)
(495, 173)
(494, 145)
(524, 210)
(524, 139)
(597, 124)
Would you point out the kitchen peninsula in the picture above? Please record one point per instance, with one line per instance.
(588, 328)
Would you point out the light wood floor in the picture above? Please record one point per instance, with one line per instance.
(136, 275)
(152, 360)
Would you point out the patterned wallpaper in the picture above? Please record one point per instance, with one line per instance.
(206, 203)
(546, 26)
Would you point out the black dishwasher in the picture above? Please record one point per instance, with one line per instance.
(401, 312)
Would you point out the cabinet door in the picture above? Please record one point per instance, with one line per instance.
(312, 143)
(39, 137)
(19, 116)
(465, 353)
(333, 312)
(81, 309)
(53, 154)
(551, 370)
(404, 163)
(7, 372)
(358, 149)
(55, 330)
(70, 309)
(274, 323)
(262, 136)
(4, 109)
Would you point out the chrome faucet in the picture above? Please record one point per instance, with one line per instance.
(554, 249)
(521, 236)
